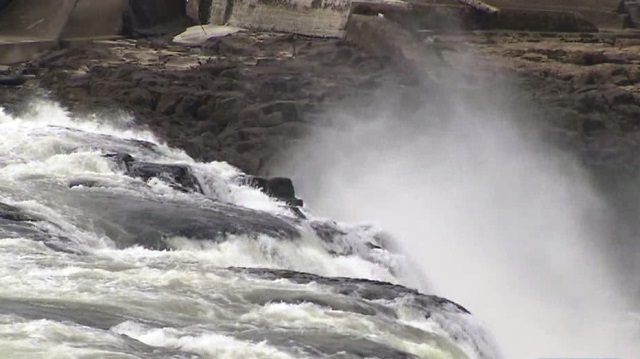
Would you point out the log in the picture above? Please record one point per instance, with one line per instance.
(480, 6)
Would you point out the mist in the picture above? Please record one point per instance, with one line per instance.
(494, 217)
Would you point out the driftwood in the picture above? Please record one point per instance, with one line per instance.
(480, 6)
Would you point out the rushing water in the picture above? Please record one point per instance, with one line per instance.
(496, 216)
(99, 264)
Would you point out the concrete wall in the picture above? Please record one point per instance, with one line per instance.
(96, 18)
(29, 28)
(43, 19)
(326, 18)
(551, 5)
(600, 14)
(558, 5)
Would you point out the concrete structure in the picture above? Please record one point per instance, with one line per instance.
(601, 14)
(324, 18)
(29, 28)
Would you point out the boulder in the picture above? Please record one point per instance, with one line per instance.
(130, 220)
(280, 188)
(179, 177)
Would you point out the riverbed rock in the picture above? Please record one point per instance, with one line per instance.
(278, 187)
(179, 177)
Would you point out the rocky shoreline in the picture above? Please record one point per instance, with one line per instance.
(240, 98)
(247, 97)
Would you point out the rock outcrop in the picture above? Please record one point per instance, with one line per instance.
(181, 178)
(241, 98)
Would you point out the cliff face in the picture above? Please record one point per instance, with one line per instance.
(241, 98)
(246, 97)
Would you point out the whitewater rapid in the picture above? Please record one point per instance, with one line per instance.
(99, 264)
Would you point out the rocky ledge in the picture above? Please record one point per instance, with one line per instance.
(586, 87)
(240, 98)
(248, 96)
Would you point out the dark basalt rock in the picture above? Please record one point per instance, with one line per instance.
(77, 182)
(12, 213)
(277, 187)
(138, 221)
(114, 146)
(15, 223)
(179, 177)
(358, 288)
(94, 315)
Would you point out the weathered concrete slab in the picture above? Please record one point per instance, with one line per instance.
(323, 18)
(601, 13)
(548, 5)
(36, 18)
(426, 16)
(373, 7)
(558, 5)
(30, 28)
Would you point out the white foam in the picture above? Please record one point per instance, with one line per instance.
(37, 161)
(309, 316)
(210, 345)
(306, 254)
(42, 339)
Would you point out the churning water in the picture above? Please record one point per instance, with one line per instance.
(494, 216)
(96, 263)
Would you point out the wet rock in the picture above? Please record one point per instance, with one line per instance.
(83, 182)
(590, 127)
(244, 80)
(169, 101)
(179, 177)
(142, 98)
(360, 288)
(617, 95)
(278, 187)
(287, 109)
(12, 213)
(139, 221)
